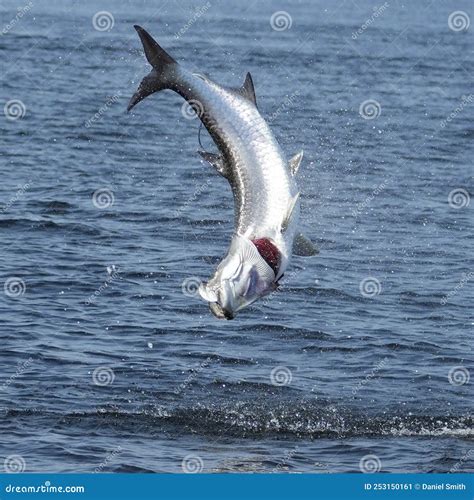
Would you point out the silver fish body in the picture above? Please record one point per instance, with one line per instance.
(265, 193)
(257, 168)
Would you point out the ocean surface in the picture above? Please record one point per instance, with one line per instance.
(108, 221)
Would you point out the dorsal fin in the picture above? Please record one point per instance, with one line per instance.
(248, 90)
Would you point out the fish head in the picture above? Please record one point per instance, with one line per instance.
(241, 278)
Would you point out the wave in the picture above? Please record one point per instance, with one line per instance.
(44, 225)
(247, 420)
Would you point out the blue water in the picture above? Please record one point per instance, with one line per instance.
(107, 365)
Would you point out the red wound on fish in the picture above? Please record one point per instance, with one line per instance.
(269, 252)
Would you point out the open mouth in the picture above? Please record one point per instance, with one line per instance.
(220, 312)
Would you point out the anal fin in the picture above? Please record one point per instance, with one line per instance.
(303, 246)
(295, 163)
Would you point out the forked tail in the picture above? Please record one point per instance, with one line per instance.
(161, 76)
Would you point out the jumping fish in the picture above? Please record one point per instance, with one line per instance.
(266, 196)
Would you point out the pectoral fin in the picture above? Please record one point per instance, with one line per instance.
(295, 163)
(216, 161)
(291, 207)
(303, 247)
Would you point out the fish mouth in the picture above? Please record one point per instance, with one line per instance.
(220, 312)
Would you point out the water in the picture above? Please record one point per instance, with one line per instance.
(106, 364)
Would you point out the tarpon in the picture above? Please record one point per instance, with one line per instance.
(266, 196)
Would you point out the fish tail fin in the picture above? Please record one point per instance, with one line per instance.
(160, 76)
